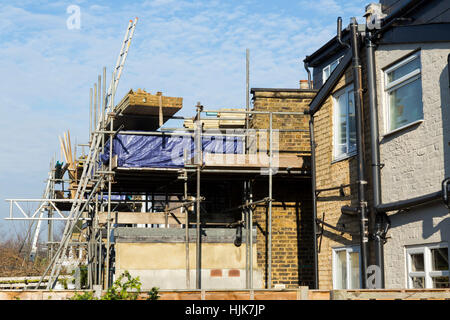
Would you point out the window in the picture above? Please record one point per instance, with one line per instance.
(403, 93)
(326, 72)
(346, 273)
(344, 125)
(428, 266)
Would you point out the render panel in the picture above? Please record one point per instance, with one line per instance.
(429, 224)
(416, 158)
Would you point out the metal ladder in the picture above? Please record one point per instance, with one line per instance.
(80, 204)
(48, 194)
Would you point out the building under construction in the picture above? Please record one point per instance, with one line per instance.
(221, 201)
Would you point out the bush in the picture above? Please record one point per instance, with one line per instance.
(121, 290)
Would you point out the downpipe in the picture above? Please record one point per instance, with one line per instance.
(362, 183)
(314, 197)
(382, 221)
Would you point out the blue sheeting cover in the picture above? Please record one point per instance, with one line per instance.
(165, 151)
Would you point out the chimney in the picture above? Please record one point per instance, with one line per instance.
(374, 14)
(304, 84)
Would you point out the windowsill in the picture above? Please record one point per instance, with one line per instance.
(402, 128)
(344, 157)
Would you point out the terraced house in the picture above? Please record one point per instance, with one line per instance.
(380, 148)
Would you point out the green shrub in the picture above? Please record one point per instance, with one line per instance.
(124, 288)
(153, 294)
(121, 290)
(87, 295)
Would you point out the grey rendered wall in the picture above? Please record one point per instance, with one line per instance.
(421, 225)
(417, 158)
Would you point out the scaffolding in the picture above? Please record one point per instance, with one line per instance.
(158, 195)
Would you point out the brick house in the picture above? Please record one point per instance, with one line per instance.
(384, 150)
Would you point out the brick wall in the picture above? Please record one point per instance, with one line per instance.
(331, 173)
(292, 245)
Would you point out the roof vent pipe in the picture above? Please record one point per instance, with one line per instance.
(306, 65)
(339, 33)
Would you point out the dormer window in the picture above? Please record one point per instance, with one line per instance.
(326, 72)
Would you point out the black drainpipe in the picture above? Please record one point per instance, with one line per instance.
(362, 183)
(306, 65)
(313, 186)
(380, 225)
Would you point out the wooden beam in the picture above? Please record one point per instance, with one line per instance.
(258, 160)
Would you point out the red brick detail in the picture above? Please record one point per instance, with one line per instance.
(216, 273)
(234, 273)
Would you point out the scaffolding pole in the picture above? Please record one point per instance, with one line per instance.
(108, 231)
(186, 212)
(199, 167)
(269, 244)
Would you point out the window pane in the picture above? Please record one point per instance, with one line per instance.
(417, 262)
(404, 70)
(341, 269)
(418, 282)
(341, 126)
(354, 276)
(326, 73)
(439, 259)
(405, 104)
(441, 282)
(333, 65)
(351, 122)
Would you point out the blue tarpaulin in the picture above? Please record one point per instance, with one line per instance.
(167, 150)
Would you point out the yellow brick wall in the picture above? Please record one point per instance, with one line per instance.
(292, 246)
(330, 173)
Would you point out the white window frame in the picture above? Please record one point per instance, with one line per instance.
(389, 87)
(336, 156)
(348, 249)
(428, 274)
(328, 67)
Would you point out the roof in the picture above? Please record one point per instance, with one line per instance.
(252, 90)
(325, 90)
(331, 46)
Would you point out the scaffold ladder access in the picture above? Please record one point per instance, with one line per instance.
(89, 177)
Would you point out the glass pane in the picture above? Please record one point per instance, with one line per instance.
(341, 270)
(441, 282)
(418, 282)
(354, 276)
(326, 72)
(341, 126)
(405, 104)
(439, 259)
(351, 122)
(417, 262)
(334, 65)
(404, 70)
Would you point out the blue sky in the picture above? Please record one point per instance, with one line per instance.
(190, 49)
